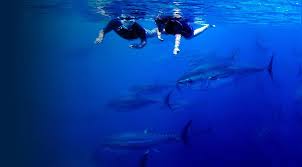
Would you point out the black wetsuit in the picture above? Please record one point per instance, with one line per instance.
(173, 26)
(135, 31)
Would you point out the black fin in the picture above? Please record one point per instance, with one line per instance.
(144, 159)
(270, 67)
(185, 133)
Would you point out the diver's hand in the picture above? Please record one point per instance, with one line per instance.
(135, 46)
(98, 40)
(160, 38)
(138, 46)
(176, 50)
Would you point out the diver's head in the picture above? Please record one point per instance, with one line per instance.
(127, 20)
(177, 13)
(159, 15)
(126, 17)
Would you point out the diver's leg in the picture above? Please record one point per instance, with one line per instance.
(201, 29)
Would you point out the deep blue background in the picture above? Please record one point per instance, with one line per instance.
(65, 81)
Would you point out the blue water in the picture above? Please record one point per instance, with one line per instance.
(255, 120)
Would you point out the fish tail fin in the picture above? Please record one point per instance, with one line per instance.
(270, 67)
(185, 133)
(144, 159)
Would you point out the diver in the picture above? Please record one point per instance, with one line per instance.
(178, 26)
(127, 28)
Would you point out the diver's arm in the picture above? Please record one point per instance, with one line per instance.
(160, 27)
(102, 32)
(100, 37)
(159, 35)
(177, 43)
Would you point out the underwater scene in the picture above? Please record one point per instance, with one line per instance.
(159, 83)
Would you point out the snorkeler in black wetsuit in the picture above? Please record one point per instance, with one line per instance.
(127, 28)
(178, 26)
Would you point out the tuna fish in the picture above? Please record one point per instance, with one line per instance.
(137, 101)
(220, 73)
(145, 140)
